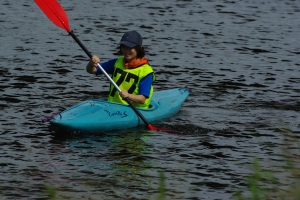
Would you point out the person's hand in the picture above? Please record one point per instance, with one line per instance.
(95, 60)
(124, 94)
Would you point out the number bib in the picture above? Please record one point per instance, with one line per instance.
(129, 79)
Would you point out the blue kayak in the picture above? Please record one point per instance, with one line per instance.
(100, 115)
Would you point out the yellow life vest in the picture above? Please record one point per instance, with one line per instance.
(129, 79)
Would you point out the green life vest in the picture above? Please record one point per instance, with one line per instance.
(129, 79)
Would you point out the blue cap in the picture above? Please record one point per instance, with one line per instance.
(131, 39)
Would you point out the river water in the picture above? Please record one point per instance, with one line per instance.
(240, 59)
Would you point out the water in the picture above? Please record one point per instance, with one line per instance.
(240, 58)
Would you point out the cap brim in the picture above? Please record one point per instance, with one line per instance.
(128, 44)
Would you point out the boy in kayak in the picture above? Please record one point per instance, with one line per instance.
(131, 72)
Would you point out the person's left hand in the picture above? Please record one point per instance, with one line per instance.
(124, 94)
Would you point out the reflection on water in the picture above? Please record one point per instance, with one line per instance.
(239, 58)
(115, 163)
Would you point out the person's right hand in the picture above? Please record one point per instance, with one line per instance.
(95, 60)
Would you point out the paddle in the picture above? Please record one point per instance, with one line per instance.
(56, 13)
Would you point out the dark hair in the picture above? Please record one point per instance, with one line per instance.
(139, 49)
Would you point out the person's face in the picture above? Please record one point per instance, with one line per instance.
(128, 53)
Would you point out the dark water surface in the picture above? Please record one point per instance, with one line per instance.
(240, 58)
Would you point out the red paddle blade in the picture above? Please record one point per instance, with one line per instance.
(153, 128)
(55, 12)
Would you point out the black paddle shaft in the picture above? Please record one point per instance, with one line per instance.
(80, 44)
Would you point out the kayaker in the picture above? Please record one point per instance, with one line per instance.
(131, 72)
